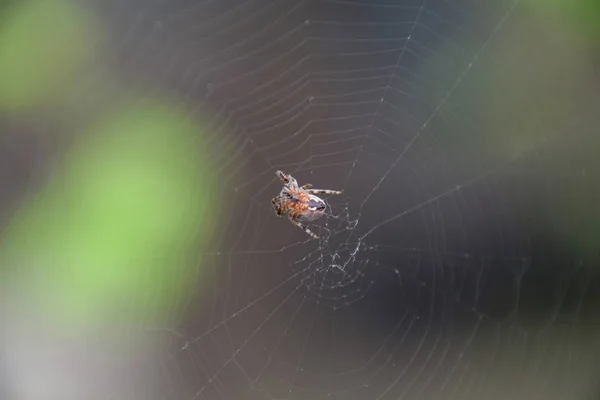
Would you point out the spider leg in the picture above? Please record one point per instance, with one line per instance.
(282, 176)
(323, 191)
(276, 202)
(287, 179)
(305, 229)
(308, 185)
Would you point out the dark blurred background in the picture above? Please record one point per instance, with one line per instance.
(140, 256)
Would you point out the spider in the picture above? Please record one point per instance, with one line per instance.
(299, 203)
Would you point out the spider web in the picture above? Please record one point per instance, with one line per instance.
(443, 270)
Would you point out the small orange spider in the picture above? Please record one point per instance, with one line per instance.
(299, 203)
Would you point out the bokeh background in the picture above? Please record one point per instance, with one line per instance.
(140, 257)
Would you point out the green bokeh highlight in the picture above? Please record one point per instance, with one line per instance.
(42, 45)
(113, 236)
(582, 15)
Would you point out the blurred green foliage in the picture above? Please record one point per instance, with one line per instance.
(582, 15)
(42, 44)
(116, 229)
(114, 235)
